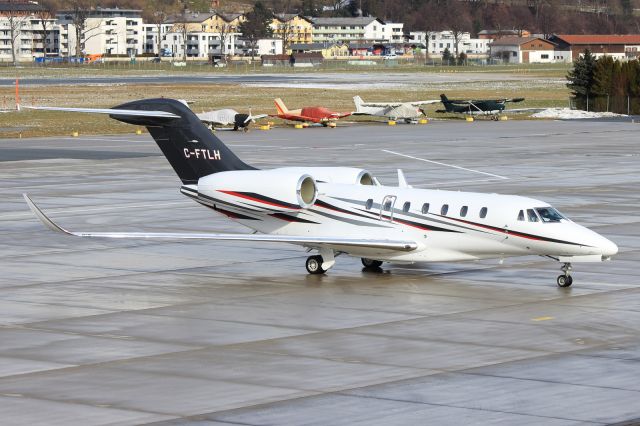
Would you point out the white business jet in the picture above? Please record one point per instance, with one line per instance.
(343, 210)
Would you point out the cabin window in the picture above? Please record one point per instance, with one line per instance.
(406, 206)
(463, 211)
(444, 209)
(387, 205)
(532, 215)
(483, 212)
(425, 208)
(368, 204)
(521, 215)
(549, 214)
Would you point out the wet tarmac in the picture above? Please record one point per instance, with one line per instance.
(304, 78)
(135, 332)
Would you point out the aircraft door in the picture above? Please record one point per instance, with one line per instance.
(386, 207)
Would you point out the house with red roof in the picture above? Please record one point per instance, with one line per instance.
(622, 47)
(526, 50)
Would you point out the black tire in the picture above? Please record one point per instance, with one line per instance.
(314, 265)
(564, 281)
(370, 263)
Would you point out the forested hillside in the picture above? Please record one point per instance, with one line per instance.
(539, 16)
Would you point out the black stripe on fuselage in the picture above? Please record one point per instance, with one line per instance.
(516, 233)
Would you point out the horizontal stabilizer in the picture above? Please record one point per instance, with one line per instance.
(397, 245)
(112, 111)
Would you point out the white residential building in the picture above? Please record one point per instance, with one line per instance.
(107, 31)
(333, 30)
(150, 36)
(29, 42)
(437, 41)
(393, 32)
(200, 44)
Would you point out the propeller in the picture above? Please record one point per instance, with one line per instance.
(249, 118)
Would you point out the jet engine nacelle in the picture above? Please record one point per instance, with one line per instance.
(278, 190)
(343, 175)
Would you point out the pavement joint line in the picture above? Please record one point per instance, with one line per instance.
(471, 408)
(557, 382)
(89, 404)
(445, 164)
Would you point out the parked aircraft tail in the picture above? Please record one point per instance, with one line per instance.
(189, 146)
(280, 106)
(357, 100)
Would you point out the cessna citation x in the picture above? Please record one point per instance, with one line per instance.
(342, 210)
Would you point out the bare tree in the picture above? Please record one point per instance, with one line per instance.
(285, 30)
(80, 11)
(16, 21)
(157, 12)
(45, 16)
(225, 30)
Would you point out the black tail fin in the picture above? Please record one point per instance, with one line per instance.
(444, 99)
(189, 145)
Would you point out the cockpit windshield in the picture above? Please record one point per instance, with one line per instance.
(549, 214)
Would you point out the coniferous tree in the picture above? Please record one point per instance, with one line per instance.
(257, 25)
(581, 78)
(446, 55)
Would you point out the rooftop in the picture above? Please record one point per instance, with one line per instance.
(515, 41)
(599, 38)
(345, 21)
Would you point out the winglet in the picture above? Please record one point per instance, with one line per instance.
(43, 218)
(402, 181)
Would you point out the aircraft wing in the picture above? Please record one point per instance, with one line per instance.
(397, 245)
(429, 102)
(397, 104)
(257, 116)
(522, 110)
(112, 111)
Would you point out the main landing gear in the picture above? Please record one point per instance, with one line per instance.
(320, 263)
(565, 279)
(314, 265)
(370, 263)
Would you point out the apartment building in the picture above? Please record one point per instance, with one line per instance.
(200, 44)
(110, 31)
(436, 42)
(333, 30)
(22, 27)
(291, 28)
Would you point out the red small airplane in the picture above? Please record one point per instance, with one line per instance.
(309, 114)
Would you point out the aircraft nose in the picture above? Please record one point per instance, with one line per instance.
(607, 247)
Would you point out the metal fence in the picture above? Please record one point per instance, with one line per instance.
(628, 105)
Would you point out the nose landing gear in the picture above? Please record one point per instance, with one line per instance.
(565, 279)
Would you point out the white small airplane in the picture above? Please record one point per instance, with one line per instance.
(407, 111)
(224, 117)
(344, 210)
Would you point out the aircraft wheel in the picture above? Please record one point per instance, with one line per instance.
(370, 263)
(314, 265)
(564, 281)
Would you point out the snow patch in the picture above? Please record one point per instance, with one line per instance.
(572, 114)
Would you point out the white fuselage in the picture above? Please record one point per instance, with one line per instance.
(456, 226)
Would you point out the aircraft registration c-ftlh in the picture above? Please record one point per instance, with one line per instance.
(319, 115)
(343, 210)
